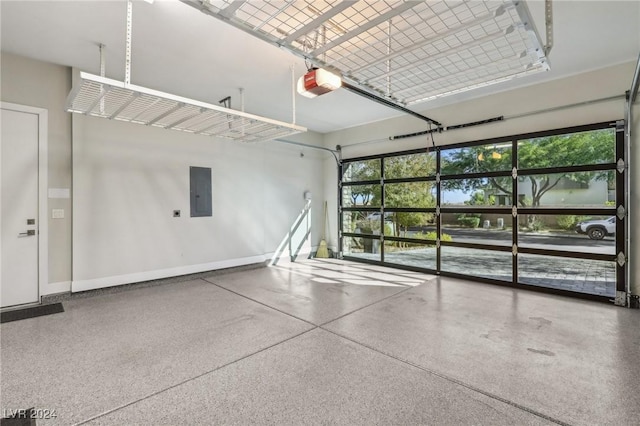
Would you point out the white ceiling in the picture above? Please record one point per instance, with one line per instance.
(179, 50)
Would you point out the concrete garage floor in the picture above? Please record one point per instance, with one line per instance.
(326, 342)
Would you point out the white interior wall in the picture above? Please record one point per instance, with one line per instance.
(129, 178)
(372, 139)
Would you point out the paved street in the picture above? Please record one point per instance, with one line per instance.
(544, 240)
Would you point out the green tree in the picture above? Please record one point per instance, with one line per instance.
(359, 171)
(479, 198)
(414, 194)
(593, 147)
(574, 149)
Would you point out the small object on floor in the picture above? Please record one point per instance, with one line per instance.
(322, 248)
(36, 311)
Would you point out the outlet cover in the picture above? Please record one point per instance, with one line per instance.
(57, 213)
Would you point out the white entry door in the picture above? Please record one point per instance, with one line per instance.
(19, 207)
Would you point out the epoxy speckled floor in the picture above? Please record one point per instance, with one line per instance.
(325, 342)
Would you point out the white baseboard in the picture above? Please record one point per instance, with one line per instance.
(55, 288)
(96, 283)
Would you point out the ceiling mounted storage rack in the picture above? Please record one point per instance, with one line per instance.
(99, 96)
(103, 97)
(407, 51)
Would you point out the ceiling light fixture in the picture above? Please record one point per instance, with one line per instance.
(318, 81)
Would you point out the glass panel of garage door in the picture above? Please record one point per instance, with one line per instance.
(569, 232)
(362, 247)
(410, 195)
(358, 171)
(361, 195)
(476, 159)
(492, 264)
(578, 275)
(596, 189)
(573, 149)
(420, 226)
(361, 222)
(410, 166)
(480, 192)
(464, 224)
(478, 228)
(416, 255)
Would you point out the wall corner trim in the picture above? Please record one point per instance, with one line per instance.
(55, 288)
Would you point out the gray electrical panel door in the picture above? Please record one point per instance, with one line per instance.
(201, 199)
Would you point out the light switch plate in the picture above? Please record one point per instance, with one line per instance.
(57, 214)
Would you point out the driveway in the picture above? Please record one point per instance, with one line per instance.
(578, 275)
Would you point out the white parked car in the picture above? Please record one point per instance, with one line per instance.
(597, 229)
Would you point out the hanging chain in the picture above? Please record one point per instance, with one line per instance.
(548, 13)
(103, 71)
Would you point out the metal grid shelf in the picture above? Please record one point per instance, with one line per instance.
(103, 97)
(406, 51)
